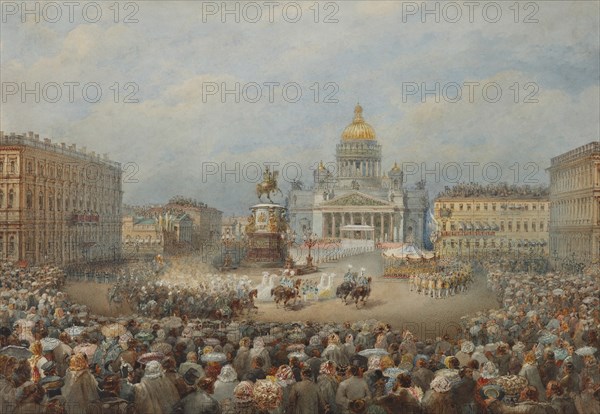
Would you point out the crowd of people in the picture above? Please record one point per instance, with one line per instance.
(536, 353)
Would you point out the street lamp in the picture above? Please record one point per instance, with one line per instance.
(289, 239)
(227, 240)
(310, 240)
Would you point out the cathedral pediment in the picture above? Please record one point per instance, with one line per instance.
(356, 199)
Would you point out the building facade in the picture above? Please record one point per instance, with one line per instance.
(355, 198)
(575, 204)
(515, 224)
(165, 233)
(206, 221)
(58, 204)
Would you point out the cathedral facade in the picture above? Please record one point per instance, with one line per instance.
(357, 199)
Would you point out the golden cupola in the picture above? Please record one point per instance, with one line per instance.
(358, 130)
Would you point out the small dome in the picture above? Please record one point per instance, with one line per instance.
(358, 129)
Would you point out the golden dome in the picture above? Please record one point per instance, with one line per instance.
(358, 129)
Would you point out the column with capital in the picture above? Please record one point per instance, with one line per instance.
(332, 224)
(381, 226)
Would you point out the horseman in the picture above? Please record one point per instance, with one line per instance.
(362, 280)
(349, 276)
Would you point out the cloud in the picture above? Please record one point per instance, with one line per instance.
(170, 54)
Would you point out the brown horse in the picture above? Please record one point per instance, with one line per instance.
(239, 305)
(284, 294)
(361, 293)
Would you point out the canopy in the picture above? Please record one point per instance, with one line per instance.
(408, 250)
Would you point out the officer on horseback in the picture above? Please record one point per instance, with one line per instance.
(362, 280)
(349, 276)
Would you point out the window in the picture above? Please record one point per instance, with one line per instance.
(13, 166)
(11, 199)
(485, 206)
(11, 245)
(41, 201)
(518, 226)
(542, 207)
(533, 207)
(29, 167)
(51, 202)
(532, 226)
(510, 226)
(493, 206)
(58, 202)
(1, 246)
(541, 226)
(1, 167)
(29, 199)
(525, 227)
(501, 226)
(1, 199)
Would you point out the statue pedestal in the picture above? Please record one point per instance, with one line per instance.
(266, 247)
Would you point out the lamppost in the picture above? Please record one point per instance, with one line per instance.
(289, 239)
(310, 240)
(227, 240)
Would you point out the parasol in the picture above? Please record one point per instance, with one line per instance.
(214, 357)
(512, 384)
(144, 336)
(373, 352)
(150, 356)
(87, 349)
(75, 330)
(547, 338)
(586, 350)
(18, 352)
(48, 344)
(113, 330)
(172, 322)
(161, 347)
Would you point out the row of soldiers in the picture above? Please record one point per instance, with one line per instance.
(440, 285)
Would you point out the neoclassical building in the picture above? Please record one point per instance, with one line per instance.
(357, 199)
(514, 225)
(59, 204)
(575, 204)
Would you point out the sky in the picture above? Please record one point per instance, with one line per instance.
(194, 98)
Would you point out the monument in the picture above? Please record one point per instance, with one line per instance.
(266, 225)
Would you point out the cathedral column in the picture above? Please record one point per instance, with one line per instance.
(362, 218)
(351, 218)
(343, 219)
(381, 226)
(332, 224)
(372, 218)
(392, 232)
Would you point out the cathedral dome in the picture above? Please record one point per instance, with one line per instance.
(358, 129)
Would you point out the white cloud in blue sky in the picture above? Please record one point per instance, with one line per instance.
(170, 53)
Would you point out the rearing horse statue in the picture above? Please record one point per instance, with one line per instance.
(268, 185)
